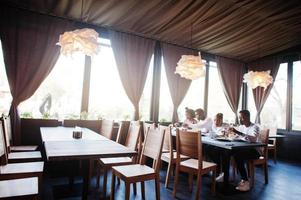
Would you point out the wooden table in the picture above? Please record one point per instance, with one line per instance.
(59, 145)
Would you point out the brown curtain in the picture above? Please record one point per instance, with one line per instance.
(132, 55)
(30, 52)
(178, 86)
(231, 74)
(260, 95)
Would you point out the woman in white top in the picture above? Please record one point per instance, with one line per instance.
(190, 118)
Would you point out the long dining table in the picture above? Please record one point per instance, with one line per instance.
(226, 146)
(60, 145)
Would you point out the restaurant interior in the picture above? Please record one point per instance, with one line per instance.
(150, 99)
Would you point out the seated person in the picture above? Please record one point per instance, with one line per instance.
(218, 126)
(250, 132)
(203, 123)
(190, 118)
(214, 153)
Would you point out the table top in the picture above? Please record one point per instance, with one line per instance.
(59, 145)
(230, 144)
(61, 133)
(227, 144)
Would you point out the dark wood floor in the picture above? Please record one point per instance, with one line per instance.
(285, 183)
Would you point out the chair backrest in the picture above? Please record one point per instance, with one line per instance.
(264, 138)
(147, 126)
(107, 128)
(3, 156)
(189, 144)
(122, 132)
(133, 137)
(152, 147)
(6, 125)
(167, 144)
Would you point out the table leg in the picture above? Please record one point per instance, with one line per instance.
(86, 178)
(226, 166)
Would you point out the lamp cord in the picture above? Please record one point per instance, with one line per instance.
(81, 11)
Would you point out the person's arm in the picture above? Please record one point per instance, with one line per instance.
(253, 133)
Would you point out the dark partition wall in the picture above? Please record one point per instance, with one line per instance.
(94, 125)
(30, 129)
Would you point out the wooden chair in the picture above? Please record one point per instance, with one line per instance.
(140, 172)
(18, 170)
(26, 188)
(107, 128)
(122, 132)
(262, 160)
(15, 157)
(108, 163)
(190, 144)
(7, 129)
(169, 155)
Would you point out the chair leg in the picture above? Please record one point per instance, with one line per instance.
(275, 155)
(118, 181)
(135, 188)
(266, 174)
(198, 186)
(170, 166)
(113, 187)
(142, 190)
(157, 181)
(104, 187)
(252, 174)
(190, 182)
(213, 181)
(97, 178)
(176, 182)
(127, 190)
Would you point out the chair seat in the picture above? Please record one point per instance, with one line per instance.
(18, 168)
(130, 171)
(259, 161)
(115, 161)
(193, 163)
(29, 156)
(166, 156)
(19, 187)
(23, 148)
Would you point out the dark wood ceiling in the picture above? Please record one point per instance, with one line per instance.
(240, 29)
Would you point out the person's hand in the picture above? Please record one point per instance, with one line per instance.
(176, 124)
(185, 125)
(232, 129)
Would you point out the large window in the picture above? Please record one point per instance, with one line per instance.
(274, 109)
(60, 94)
(5, 96)
(107, 95)
(296, 118)
(217, 102)
(166, 105)
(145, 101)
(194, 98)
(251, 104)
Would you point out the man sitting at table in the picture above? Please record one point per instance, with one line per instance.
(250, 132)
(204, 123)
